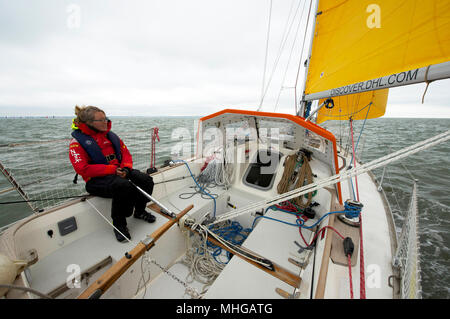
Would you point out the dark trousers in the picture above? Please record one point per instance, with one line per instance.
(124, 195)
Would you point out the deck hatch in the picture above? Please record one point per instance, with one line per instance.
(262, 170)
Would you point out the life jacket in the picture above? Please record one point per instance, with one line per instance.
(93, 150)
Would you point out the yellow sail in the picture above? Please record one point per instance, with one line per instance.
(356, 106)
(358, 40)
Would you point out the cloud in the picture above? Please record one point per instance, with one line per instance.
(150, 57)
(417, 110)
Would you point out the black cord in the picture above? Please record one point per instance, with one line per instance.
(39, 200)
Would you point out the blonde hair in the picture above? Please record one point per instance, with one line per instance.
(86, 113)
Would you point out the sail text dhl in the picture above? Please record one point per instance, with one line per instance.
(388, 81)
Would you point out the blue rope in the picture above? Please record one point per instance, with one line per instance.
(277, 220)
(350, 212)
(201, 188)
(234, 233)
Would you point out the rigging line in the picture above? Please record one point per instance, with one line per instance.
(267, 47)
(362, 128)
(348, 140)
(32, 143)
(362, 282)
(393, 193)
(285, 33)
(301, 57)
(350, 114)
(290, 56)
(280, 51)
(355, 148)
(404, 167)
(281, 48)
(344, 175)
(43, 199)
(427, 82)
(54, 141)
(354, 159)
(362, 276)
(106, 219)
(340, 132)
(265, 59)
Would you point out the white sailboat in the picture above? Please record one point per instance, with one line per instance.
(293, 215)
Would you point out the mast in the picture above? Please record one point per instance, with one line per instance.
(303, 102)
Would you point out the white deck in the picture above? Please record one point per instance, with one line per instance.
(377, 249)
(87, 250)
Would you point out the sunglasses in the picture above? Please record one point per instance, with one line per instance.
(105, 120)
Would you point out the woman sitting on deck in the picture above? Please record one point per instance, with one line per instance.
(106, 165)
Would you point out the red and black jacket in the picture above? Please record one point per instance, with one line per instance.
(94, 154)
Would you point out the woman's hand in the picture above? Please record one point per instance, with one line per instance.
(120, 172)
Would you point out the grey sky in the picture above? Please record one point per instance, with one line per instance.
(158, 58)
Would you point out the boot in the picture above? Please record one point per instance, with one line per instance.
(148, 217)
(123, 230)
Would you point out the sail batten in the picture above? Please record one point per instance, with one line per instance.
(362, 45)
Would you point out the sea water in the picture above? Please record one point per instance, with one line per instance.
(34, 149)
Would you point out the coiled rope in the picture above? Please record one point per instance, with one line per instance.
(202, 257)
(196, 182)
(288, 178)
(305, 174)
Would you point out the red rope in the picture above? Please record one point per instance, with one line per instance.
(362, 280)
(287, 206)
(350, 274)
(362, 277)
(362, 287)
(317, 234)
(155, 136)
(354, 160)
